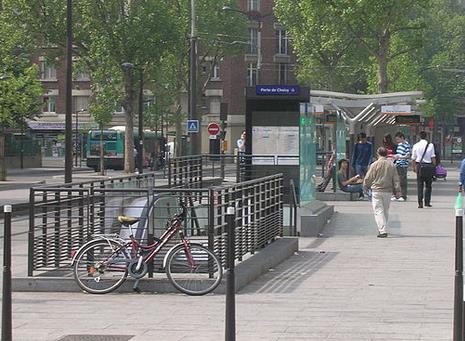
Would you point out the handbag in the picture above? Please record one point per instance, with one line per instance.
(426, 168)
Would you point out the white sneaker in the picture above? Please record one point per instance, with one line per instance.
(394, 199)
(401, 199)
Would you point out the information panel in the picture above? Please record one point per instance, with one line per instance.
(279, 141)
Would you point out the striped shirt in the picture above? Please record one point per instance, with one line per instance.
(403, 150)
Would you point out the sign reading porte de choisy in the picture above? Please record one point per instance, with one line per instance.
(277, 90)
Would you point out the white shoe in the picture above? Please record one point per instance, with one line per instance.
(394, 199)
(401, 199)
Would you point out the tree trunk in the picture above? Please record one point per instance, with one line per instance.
(2, 157)
(178, 127)
(129, 116)
(383, 66)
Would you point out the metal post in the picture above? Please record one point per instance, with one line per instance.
(140, 159)
(230, 334)
(69, 95)
(76, 142)
(6, 293)
(458, 283)
(196, 137)
(22, 146)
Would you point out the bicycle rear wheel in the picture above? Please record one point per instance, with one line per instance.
(196, 271)
(101, 267)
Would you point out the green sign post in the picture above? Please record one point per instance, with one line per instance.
(307, 155)
(341, 149)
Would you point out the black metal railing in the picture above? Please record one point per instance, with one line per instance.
(185, 172)
(63, 218)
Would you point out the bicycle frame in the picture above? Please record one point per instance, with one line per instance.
(154, 249)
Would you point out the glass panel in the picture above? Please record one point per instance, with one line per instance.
(307, 154)
(340, 141)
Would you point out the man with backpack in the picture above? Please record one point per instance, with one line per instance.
(424, 162)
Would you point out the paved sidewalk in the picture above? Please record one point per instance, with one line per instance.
(348, 285)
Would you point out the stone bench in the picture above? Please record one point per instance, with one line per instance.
(336, 196)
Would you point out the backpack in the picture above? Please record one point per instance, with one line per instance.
(441, 172)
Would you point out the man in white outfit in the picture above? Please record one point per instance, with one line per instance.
(383, 180)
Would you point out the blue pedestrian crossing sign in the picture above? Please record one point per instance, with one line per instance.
(192, 126)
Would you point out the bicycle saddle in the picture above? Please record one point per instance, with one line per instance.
(126, 220)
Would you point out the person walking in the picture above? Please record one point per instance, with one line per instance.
(383, 180)
(424, 161)
(402, 158)
(363, 153)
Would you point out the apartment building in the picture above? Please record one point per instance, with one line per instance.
(266, 60)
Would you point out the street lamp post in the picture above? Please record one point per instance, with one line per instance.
(193, 114)
(2, 142)
(68, 94)
(140, 145)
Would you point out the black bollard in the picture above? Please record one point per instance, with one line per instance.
(230, 334)
(6, 294)
(458, 283)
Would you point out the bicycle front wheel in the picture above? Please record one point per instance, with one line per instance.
(101, 267)
(194, 271)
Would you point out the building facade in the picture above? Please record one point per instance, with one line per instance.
(267, 59)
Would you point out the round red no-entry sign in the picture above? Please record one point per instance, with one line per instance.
(214, 128)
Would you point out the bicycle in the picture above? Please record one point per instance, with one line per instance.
(104, 263)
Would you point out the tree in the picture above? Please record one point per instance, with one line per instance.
(372, 24)
(444, 59)
(20, 89)
(329, 56)
(220, 34)
(109, 33)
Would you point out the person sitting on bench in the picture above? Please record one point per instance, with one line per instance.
(352, 185)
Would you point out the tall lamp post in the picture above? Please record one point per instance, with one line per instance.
(69, 94)
(193, 114)
(2, 142)
(140, 147)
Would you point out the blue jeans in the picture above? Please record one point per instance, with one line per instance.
(354, 188)
(361, 170)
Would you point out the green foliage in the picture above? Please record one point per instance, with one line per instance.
(444, 53)
(345, 36)
(20, 91)
(329, 56)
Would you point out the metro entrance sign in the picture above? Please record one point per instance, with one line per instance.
(277, 90)
(213, 128)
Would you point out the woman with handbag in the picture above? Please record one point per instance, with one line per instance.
(424, 161)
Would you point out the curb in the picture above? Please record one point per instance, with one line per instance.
(246, 272)
(8, 186)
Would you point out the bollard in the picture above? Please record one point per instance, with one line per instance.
(230, 334)
(458, 283)
(6, 294)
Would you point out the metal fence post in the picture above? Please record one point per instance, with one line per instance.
(458, 283)
(222, 165)
(30, 252)
(6, 294)
(230, 319)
